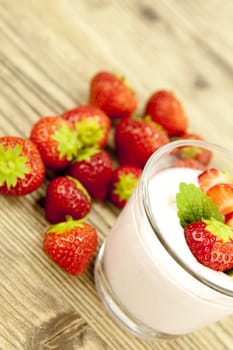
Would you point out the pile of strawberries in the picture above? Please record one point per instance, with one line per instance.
(73, 146)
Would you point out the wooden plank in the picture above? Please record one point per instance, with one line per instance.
(49, 51)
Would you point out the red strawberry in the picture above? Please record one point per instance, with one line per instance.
(222, 196)
(212, 177)
(211, 242)
(123, 182)
(56, 140)
(188, 163)
(21, 167)
(92, 125)
(111, 94)
(166, 110)
(202, 155)
(136, 140)
(66, 196)
(71, 245)
(93, 169)
(229, 219)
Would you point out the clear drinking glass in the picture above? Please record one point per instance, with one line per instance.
(147, 278)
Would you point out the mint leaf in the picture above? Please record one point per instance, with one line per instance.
(194, 205)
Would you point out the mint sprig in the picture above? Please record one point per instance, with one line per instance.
(194, 205)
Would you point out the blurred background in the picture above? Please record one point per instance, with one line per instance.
(51, 49)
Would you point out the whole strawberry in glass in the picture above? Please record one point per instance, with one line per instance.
(211, 242)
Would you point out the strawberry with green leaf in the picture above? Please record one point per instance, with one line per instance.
(71, 245)
(66, 196)
(124, 181)
(209, 239)
(211, 242)
(56, 141)
(91, 123)
(21, 167)
(93, 168)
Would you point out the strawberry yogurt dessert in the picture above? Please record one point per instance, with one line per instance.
(151, 274)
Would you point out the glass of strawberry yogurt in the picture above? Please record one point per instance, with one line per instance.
(145, 273)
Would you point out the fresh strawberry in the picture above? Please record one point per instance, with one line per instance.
(66, 196)
(21, 167)
(188, 163)
(71, 245)
(56, 140)
(93, 168)
(211, 242)
(111, 94)
(136, 140)
(202, 155)
(165, 109)
(91, 123)
(123, 182)
(229, 219)
(222, 196)
(212, 177)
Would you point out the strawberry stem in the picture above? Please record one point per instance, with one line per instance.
(12, 165)
(61, 227)
(190, 152)
(125, 186)
(87, 153)
(89, 131)
(68, 142)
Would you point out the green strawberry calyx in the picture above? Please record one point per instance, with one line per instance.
(194, 205)
(125, 186)
(12, 165)
(87, 153)
(148, 119)
(89, 131)
(123, 79)
(67, 225)
(219, 229)
(80, 187)
(68, 142)
(190, 152)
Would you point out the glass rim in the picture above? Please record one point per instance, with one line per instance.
(145, 177)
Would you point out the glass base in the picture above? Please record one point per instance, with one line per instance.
(118, 312)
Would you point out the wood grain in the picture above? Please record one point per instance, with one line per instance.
(49, 51)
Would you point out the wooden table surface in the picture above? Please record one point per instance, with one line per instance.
(49, 50)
